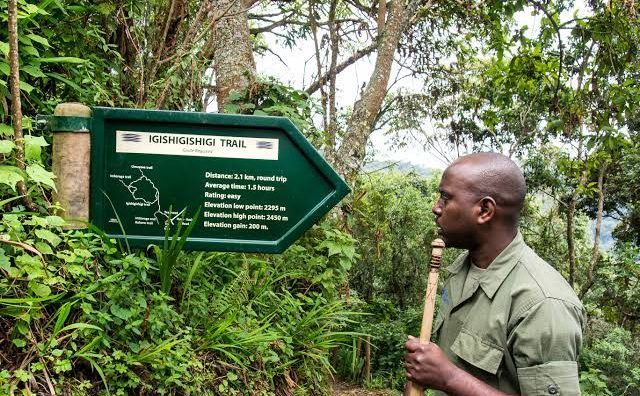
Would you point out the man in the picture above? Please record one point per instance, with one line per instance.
(508, 324)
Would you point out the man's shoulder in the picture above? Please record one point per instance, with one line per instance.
(538, 280)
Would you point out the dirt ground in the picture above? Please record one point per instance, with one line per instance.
(343, 389)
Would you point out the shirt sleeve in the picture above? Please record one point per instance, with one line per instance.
(545, 347)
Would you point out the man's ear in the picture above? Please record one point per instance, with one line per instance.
(487, 209)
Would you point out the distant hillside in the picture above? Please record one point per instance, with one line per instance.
(402, 166)
(608, 224)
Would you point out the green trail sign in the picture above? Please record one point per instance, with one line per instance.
(257, 181)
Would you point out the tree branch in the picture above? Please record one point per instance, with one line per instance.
(560, 46)
(286, 20)
(343, 65)
(333, 38)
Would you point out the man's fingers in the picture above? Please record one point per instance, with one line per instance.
(412, 344)
(410, 358)
(409, 370)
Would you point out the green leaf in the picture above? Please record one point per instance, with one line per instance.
(231, 108)
(105, 8)
(61, 317)
(4, 48)
(33, 71)
(49, 236)
(19, 343)
(32, 147)
(31, 50)
(39, 289)
(65, 80)
(14, 272)
(31, 265)
(55, 221)
(10, 175)
(39, 39)
(27, 123)
(5, 264)
(4, 68)
(32, 153)
(6, 146)
(40, 175)
(26, 87)
(36, 221)
(6, 130)
(120, 312)
(62, 59)
(80, 326)
(44, 248)
(21, 374)
(11, 199)
(22, 327)
(29, 300)
(31, 8)
(24, 40)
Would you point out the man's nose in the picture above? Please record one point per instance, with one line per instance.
(436, 209)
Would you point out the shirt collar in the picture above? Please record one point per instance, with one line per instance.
(499, 268)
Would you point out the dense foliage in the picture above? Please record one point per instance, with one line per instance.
(79, 314)
(83, 314)
(390, 290)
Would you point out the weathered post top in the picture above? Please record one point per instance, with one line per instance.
(71, 162)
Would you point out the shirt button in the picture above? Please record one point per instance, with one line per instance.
(552, 389)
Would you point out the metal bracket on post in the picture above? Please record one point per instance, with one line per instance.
(70, 125)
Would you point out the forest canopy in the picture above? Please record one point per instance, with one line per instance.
(554, 85)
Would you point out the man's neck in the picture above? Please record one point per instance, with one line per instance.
(495, 243)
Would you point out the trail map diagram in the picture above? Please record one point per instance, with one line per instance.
(145, 194)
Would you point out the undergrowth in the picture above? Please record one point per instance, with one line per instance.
(79, 315)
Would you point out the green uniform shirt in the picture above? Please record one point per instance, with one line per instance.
(519, 328)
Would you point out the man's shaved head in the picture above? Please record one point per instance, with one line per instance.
(494, 175)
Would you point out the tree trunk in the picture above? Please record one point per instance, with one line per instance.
(571, 210)
(333, 38)
(16, 104)
(233, 62)
(367, 360)
(316, 46)
(350, 155)
(595, 253)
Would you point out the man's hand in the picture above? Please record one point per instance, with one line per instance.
(427, 365)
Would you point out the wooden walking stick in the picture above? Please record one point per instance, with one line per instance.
(437, 246)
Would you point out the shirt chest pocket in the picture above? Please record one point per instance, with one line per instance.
(476, 351)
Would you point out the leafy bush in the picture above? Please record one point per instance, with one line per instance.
(79, 315)
(393, 221)
(610, 363)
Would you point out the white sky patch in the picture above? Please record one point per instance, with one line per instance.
(300, 66)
